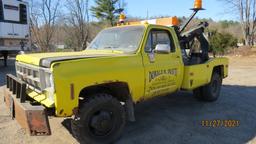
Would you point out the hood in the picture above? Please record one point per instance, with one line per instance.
(46, 59)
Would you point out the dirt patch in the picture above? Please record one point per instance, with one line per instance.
(172, 119)
(243, 51)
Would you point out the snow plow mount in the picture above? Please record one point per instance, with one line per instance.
(32, 118)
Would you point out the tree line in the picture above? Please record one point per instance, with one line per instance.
(69, 20)
(75, 23)
(245, 10)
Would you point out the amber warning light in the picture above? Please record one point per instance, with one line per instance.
(198, 5)
(122, 18)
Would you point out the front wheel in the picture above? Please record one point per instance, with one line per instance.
(101, 120)
(210, 92)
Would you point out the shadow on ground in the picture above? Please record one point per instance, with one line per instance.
(177, 119)
(10, 69)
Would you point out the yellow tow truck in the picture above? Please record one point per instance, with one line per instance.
(122, 66)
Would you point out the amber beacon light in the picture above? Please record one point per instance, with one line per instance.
(122, 18)
(198, 4)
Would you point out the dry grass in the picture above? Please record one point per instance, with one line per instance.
(243, 51)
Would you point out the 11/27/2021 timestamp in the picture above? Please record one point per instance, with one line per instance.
(220, 123)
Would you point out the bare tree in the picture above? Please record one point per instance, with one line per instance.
(246, 9)
(78, 23)
(44, 14)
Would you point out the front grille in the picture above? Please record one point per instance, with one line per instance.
(32, 75)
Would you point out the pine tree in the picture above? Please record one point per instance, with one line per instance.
(107, 10)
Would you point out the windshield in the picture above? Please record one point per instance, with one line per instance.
(126, 39)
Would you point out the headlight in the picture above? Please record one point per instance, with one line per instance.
(49, 84)
(48, 80)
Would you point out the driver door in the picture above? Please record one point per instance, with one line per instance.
(161, 69)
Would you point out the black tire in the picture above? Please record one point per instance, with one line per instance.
(101, 120)
(211, 91)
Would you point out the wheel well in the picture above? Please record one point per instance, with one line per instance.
(219, 69)
(119, 90)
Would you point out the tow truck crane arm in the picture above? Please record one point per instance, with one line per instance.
(187, 38)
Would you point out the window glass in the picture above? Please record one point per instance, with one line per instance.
(148, 47)
(163, 38)
(159, 37)
(125, 39)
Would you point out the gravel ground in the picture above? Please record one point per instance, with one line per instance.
(172, 119)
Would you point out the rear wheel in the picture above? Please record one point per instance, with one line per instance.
(101, 120)
(211, 91)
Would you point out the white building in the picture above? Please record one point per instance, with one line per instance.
(14, 26)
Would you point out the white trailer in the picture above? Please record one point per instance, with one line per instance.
(14, 27)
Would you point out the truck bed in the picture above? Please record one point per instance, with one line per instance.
(199, 75)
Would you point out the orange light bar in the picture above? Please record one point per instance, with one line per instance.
(173, 21)
(198, 4)
(170, 21)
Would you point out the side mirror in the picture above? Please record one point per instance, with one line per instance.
(163, 49)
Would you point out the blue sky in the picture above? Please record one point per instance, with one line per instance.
(214, 8)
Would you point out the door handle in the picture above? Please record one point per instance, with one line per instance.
(177, 56)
